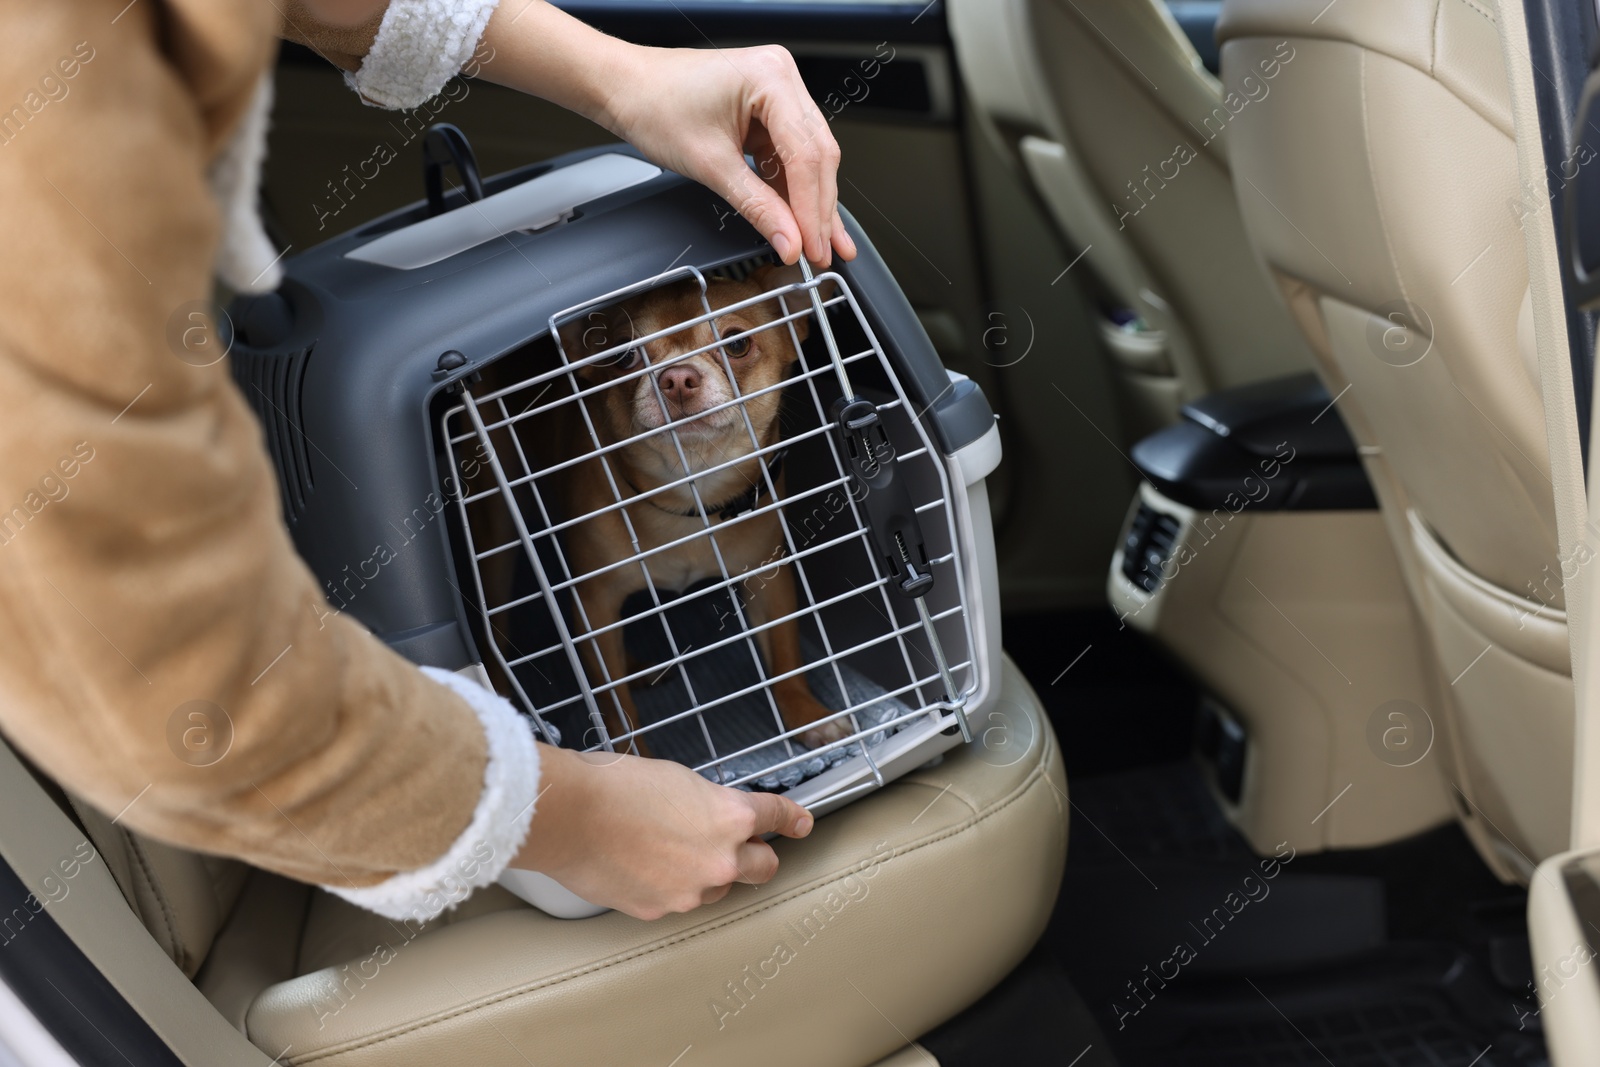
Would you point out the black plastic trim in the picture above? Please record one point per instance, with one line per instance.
(900, 88)
(1257, 417)
(699, 22)
(1277, 445)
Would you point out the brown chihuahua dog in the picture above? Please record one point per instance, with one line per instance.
(681, 393)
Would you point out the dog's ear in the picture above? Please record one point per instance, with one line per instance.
(770, 276)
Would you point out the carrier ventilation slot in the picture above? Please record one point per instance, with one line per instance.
(271, 382)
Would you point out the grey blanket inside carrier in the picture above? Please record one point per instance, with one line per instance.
(749, 720)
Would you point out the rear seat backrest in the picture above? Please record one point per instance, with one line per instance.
(182, 897)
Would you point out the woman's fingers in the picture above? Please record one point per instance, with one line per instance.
(806, 153)
(830, 210)
(757, 862)
(794, 148)
(761, 205)
(780, 815)
(843, 243)
(650, 837)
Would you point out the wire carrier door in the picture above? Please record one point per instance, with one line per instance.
(866, 529)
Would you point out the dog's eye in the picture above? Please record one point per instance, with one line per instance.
(737, 346)
(627, 359)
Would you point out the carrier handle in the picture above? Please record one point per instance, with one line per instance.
(443, 144)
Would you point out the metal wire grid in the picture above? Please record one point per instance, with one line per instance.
(506, 414)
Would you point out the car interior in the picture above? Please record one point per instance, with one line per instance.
(1284, 313)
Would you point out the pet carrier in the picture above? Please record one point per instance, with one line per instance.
(572, 430)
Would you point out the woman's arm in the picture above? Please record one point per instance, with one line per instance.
(345, 14)
(696, 111)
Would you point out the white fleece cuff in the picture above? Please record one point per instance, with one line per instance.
(421, 44)
(499, 823)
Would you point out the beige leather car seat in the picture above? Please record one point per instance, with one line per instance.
(1379, 181)
(899, 911)
(1124, 134)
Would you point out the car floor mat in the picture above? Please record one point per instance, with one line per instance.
(1403, 954)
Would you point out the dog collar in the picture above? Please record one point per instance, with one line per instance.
(743, 503)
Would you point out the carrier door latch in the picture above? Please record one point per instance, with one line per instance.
(894, 527)
(890, 514)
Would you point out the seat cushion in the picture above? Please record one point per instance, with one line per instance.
(897, 912)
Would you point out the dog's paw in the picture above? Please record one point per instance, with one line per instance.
(827, 732)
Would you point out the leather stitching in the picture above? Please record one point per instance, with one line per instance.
(1041, 771)
(1486, 13)
(180, 955)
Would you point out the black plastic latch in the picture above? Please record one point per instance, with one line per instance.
(895, 530)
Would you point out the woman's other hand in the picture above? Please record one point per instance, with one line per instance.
(649, 837)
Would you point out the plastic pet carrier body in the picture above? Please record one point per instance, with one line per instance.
(584, 439)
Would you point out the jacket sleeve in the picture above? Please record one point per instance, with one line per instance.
(164, 653)
(402, 56)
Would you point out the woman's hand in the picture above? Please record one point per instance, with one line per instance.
(723, 103)
(648, 837)
(695, 111)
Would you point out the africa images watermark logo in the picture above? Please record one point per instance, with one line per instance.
(200, 333)
(199, 733)
(1400, 733)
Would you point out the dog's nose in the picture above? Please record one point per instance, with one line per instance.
(680, 383)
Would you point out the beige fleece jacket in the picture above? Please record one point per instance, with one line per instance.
(144, 565)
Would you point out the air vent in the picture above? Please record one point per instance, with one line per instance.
(271, 383)
(1148, 546)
